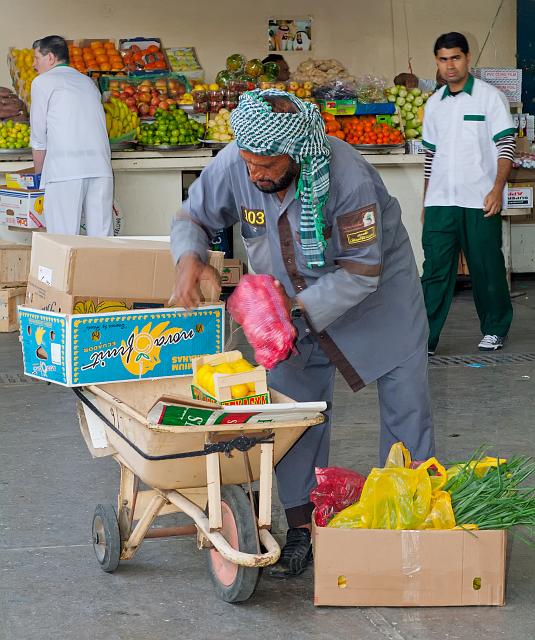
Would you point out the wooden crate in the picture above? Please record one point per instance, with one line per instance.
(224, 382)
(10, 298)
(14, 263)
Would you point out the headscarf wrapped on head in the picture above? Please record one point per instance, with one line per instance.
(300, 135)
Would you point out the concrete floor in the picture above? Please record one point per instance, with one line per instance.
(52, 587)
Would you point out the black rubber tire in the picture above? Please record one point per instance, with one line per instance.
(244, 585)
(106, 537)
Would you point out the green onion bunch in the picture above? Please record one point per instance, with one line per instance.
(497, 500)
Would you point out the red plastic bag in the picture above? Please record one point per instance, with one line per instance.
(257, 304)
(337, 489)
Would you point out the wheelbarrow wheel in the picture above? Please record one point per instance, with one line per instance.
(106, 537)
(234, 583)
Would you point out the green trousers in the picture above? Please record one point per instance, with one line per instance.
(446, 231)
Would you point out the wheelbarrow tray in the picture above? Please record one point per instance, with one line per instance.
(138, 444)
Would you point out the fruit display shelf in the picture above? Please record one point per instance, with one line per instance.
(380, 148)
(169, 147)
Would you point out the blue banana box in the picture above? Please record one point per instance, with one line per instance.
(76, 350)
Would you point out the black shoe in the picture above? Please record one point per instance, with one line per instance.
(295, 555)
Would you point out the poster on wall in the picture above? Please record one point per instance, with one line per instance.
(290, 35)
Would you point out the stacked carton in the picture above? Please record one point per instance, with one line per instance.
(96, 312)
(14, 268)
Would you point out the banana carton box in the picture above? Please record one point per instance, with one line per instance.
(23, 209)
(98, 348)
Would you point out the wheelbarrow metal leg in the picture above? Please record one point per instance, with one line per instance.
(128, 490)
(131, 545)
(225, 549)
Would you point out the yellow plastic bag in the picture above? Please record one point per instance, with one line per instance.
(398, 456)
(397, 497)
(480, 466)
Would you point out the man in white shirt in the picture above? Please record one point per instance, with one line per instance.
(469, 139)
(70, 144)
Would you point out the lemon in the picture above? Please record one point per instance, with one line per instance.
(204, 376)
(242, 365)
(251, 387)
(224, 368)
(239, 390)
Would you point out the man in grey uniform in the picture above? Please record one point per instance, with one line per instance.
(315, 215)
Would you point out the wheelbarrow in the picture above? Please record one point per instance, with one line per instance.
(196, 470)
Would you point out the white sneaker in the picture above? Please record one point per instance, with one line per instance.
(491, 343)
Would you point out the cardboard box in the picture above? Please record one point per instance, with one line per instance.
(519, 197)
(23, 179)
(22, 209)
(41, 296)
(524, 214)
(507, 80)
(14, 263)
(10, 298)
(378, 568)
(415, 147)
(232, 272)
(104, 268)
(76, 350)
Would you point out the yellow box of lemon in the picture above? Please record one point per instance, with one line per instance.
(227, 378)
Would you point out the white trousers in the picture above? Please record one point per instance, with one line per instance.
(66, 200)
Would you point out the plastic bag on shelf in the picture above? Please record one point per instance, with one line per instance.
(371, 89)
(337, 489)
(336, 90)
(258, 305)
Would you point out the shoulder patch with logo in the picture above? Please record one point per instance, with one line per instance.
(253, 222)
(358, 228)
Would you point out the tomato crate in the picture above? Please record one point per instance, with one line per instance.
(152, 52)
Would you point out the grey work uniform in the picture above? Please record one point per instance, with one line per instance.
(364, 309)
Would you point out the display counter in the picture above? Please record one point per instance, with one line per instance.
(149, 187)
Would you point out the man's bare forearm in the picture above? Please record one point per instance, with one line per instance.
(38, 159)
(504, 169)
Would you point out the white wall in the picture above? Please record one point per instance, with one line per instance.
(367, 36)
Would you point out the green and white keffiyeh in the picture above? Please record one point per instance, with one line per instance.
(301, 136)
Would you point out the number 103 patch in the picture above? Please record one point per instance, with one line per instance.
(255, 217)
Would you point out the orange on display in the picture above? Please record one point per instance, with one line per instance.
(99, 56)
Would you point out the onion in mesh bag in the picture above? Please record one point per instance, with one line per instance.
(258, 305)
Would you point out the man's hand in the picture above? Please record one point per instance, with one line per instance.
(288, 302)
(189, 272)
(493, 202)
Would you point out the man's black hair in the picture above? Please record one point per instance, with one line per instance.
(452, 40)
(273, 57)
(53, 44)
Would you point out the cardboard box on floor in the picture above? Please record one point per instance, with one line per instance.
(82, 274)
(14, 263)
(378, 568)
(10, 299)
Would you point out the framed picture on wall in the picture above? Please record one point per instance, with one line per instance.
(290, 35)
